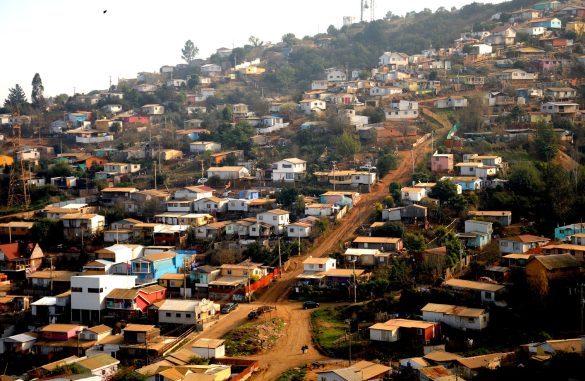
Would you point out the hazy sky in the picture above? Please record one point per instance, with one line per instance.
(72, 43)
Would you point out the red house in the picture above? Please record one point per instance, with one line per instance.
(129, 304)
(420, 332)
(60, 332)
(136, 120)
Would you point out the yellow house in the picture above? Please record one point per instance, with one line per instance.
(537, 117)
(578, 27)
(251, 70)
(6, 160)
(170, 154)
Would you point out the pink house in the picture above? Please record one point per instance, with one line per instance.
(442, 162)
(61, 332)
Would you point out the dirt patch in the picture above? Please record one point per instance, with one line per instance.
(253, 338)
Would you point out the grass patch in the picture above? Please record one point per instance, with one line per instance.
(294, 374)
(253, 337)
(328, 328)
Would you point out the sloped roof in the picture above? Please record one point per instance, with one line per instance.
(557, 261)
(97, 362)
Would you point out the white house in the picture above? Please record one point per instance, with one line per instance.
(209, 348)
(210, 69)
(198, 147)
(319, 264)
(320, 85)
(228, 173)
(402, 109)
(88, 294)
(453, 102)
(413, 194)
(482, 49)
(291, 169)
(559, 108)
(456, 316)
(385, 90)
(335, 75)
(76, 225)
(517, 75)
(521, 243)
(189, 312)
(153, 109)
(309, 105)
(193, 193)
(320, 210)
(210, 205)
(393, 58)
(299, 229)
(121, 168)
(277, 218)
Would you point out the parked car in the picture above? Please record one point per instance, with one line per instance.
(310, 304)
(228, 307)
(202, 181)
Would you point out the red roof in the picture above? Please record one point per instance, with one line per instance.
(10, 251)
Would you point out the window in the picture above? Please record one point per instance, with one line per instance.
(273, 218)
(260, 218)
(419, 331)
(95, 290)
(471, 320)
(229, 272)
(188, 316)
(286, 166)
(76, 289)
(178, 315)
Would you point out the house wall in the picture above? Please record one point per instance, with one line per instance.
(459, 322)
(208, 353)
(384, 335)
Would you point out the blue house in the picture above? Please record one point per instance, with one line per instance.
(467, 183)
(151, 267)
(564, 232)
(549, 23)
(249, 194)
(547, 6)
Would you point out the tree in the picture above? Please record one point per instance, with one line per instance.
(389, 229)
(346, 145)
(190, 51)
(546, 142)
(255, 41)
(471, 117)
(287, 196)
(444, 191)
(386, 162)
(525, 179)
(37, 97)
(414, 242)
(289, 39)
(16, 98)
(331, 30)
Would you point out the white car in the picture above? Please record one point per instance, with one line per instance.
(202, 181)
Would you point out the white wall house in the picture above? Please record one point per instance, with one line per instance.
(121, 168)
(210, 205)
(456, 316)
(198, 147)
(189, 312)
(153, 109)
(277, 218)
(291, 169)
(228, 173)
(209, 348)
(413, 194)
(319, 264)
(309, 105)
(336, 75)
(401, 109)
(393, 58)
(88, 294)
(299, 229)
(76, 225)
(521, 243)
(320, 210)
(193, 193)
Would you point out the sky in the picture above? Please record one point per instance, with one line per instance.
(74, 45)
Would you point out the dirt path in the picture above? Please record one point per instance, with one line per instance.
(356, 217)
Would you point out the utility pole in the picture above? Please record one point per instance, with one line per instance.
(279, 259)
(184, 278)
(582, 303)
(154, 162)
(334, 162)
(51, 273)
(354, 284)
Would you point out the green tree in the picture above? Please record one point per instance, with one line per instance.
(389, 229)
(61, 168)
(525, 179)
(444, 191)
(386, 162)
(16, 98)
(37, 97)
(255, 41)
(47, 233)
(414, 242)
(546, 142)
(289, 39)
(347, 145)
(287, 197)
(189, 52)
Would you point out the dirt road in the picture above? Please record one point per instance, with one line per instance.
(356, 217)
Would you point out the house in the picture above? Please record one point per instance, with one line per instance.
(188, 312)
(21, 343)
(121, 168)
(307, 106)
(28, 154)
(129, 304)
(469, 367)
(228, 173)
(442, 162)
(517, 75)
(402, 109)
(192, 193)
(291, 169)
(18, 259)
(102, 365)
(458, 317)
(216, 230)
(567, 109)
(112, 196)
(238, 282)
(411, 194)
(152, 266)
(199, 147)
(140, 333)
(89, 292)
(319, 264)
(380, 243)
(487, 292)
(153, 109)
(60, 332)
(578, 239)
(209, 348)
(335, 75)
(524, 15)
(560, 94)
(210, 205)
(77, 225)
(301, 228)
(548, 23)
(204, 275)
(421, 332)
(277, 218)
(365, 257)
(547, 6)
(17, 230)
(393, 59)
(503, 217)
(10, 304)
(501, 35)
(359, 371)
(408, 214)
(521, 243)
(95, 333)
(477, 233)
(170, 154)
(383, 91)
(452, 102)
(545, 271)
(340, 198)
(467, 183)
